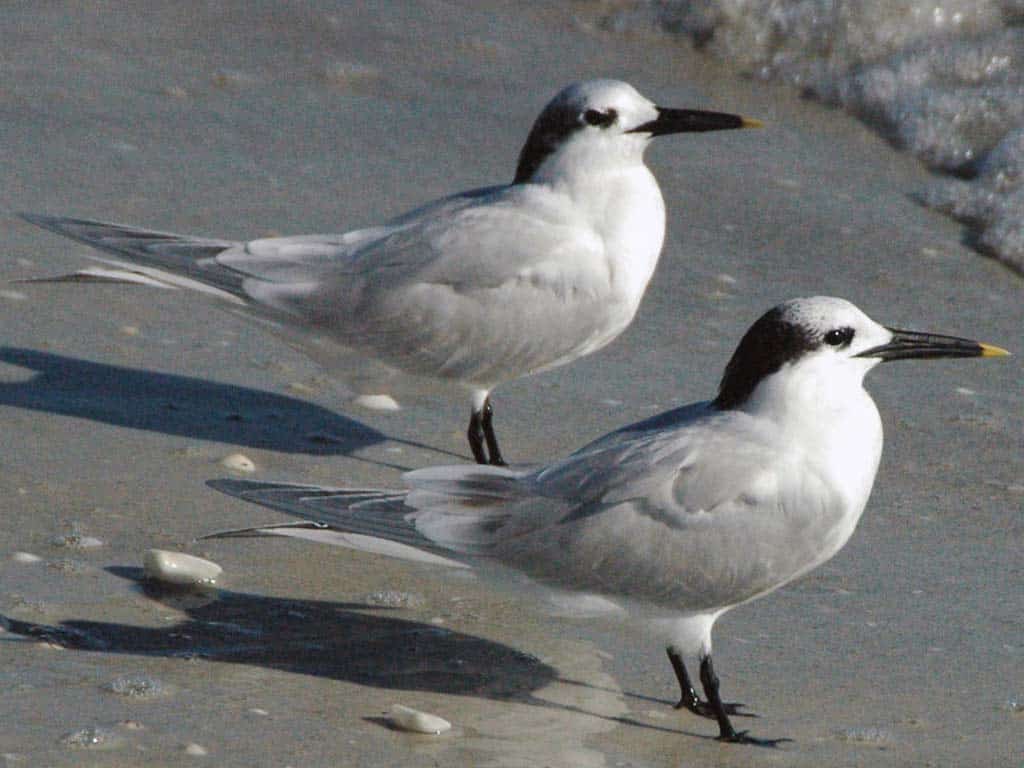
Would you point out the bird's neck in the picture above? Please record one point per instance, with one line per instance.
(833, 420)
(621, 203)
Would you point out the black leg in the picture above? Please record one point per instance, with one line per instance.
(726, 732)
(490, 437)
(709, 680)
(475, 433)
(688, 698)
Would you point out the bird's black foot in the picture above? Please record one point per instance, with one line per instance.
(742, 737)
(482, 440)
(726, 733)
(689, 700)
(703, 708)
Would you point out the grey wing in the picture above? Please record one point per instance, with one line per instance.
(191, 257)
(365, 518)
(462, 510)
(406, 249)
(708, 514)
(443, 292)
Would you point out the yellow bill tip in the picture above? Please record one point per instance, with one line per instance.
(751, 122)
(990, 350)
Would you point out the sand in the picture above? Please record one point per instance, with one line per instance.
(118, 403)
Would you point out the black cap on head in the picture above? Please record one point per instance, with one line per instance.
(769, 344)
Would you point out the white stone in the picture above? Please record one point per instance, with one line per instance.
(180, 569)
(26, 557)
(238, 462)
(415, 721)
(378, 402)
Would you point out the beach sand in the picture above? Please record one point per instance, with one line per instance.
(119, 402)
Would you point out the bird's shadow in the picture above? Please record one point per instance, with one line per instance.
(179, 405)
(353, 642)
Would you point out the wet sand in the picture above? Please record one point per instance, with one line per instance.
(119, 402)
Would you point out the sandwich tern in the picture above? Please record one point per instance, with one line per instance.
(478, 288)
(682, 516)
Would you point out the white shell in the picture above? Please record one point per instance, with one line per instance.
(377, 402)
(25, 557)
(239, 462)
(180, 569)
(409, 719)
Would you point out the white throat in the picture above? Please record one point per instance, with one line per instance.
(820, 404)
(617, 197)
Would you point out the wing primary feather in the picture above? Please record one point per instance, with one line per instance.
(258, 531)
(367, 512)
(192, 257)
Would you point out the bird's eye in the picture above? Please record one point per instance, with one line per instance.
(839, 337)
(599, 118)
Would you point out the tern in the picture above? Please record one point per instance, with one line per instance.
(478, 288)
(678, 518)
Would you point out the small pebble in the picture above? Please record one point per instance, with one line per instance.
(180, 569)
(67, 566)
(258, 711)
(378, 402)
(228, 77)
(93, 737)
(25, 557)
(413, 720)
(874, 736)
(13, 295)
(238, 462)
(301, 388)
(76, 540)
(195, 750)
(349, 73)
(130, 330)
(136, 686)
(393, 598)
